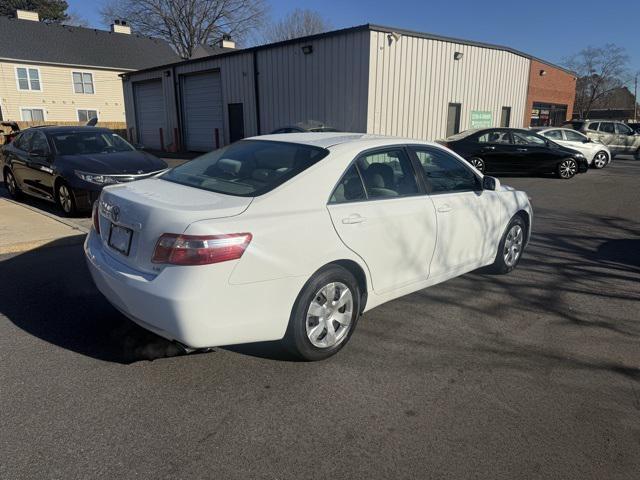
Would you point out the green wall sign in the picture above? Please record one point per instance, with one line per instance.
(481, 119)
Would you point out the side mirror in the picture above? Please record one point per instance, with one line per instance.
(490, 183)
(587, 140)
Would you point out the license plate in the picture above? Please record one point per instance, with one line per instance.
(120, 239)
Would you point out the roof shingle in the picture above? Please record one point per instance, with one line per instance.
(39, 42)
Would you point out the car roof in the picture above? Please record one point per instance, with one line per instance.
(67, 129)
(332, 139)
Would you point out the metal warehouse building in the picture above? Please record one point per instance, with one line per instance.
(368, 78)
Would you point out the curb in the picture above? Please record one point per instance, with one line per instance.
(47, 243)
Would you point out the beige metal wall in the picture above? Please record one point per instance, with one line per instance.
(57, 97)
(328, 85)
(413, 80)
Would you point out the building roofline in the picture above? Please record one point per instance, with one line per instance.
(358, 28)
(69, 65)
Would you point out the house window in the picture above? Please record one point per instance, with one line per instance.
(505, 117)
(28, 78)
(86, 115)
(32, 114)
(83, 82)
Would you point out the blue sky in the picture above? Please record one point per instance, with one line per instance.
(551, 30)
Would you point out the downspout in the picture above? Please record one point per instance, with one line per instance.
(177, 107)
(256, 90)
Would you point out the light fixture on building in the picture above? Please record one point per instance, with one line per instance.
(543, 73)
(458, 55)
(307, 49)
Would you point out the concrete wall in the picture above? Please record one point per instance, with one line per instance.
(557, 86)
(414, 79)
(57, 97)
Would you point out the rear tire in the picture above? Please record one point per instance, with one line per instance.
(324, 315)
(12, 185)
(478, 163)
(567, 168)
(510, 247)
(65, 199)
(600, 160)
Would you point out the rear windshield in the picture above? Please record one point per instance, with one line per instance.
(79, 143)
(461, 135)
(247, 168)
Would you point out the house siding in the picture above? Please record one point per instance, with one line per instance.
(57, 97)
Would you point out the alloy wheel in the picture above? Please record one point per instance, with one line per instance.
(329, 315)
(600, 160)
(568, 168)
(479, 164)
(513, 245)
(64, 196)
(11, 184)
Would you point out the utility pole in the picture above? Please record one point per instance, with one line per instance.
(635, 99)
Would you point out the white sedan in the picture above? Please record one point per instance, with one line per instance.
(597, 154)
(294, 236)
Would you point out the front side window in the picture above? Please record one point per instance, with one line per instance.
(554, 134)
(247, 168)
(83, 82)
(86, 115)
(444, 173)
(622, 129)
(350, 188)
(607, 127)
(524, 138)
(574, 136)
(32, 114)
(39, 143)
(593, 126)
(387, 173)
(495, 136)
(89, 142)
(28, 78)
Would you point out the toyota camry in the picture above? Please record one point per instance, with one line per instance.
(292, 237)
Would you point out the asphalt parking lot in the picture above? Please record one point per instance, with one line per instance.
(531, 375)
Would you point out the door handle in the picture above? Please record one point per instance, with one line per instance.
(444, 208)
(488, 148)
(523, 150)
(353, 219)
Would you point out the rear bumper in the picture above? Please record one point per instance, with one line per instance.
(194, 305)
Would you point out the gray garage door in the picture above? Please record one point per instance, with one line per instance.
(202, 111)
(150, 117)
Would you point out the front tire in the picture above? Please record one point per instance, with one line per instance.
(12, 185)
(65, 198)
(324, 315)
(510, 247)
(600, 160)
(478, 163)
(567, 168)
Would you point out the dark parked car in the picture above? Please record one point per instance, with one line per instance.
(305, 127)
(70, 165)
(512, 150)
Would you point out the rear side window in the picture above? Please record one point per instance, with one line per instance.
(387, 173)
(444, 173)
(496, 136)
(593, 126)
(574, 136)
(622, 129)
(607, 127)
(23, 140)
(247, 168)
(554, 134)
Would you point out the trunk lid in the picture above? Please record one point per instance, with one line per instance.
(151, 207)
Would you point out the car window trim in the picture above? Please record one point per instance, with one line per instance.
(416, 175)
(464, 163)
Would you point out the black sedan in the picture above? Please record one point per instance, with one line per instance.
(70, 165)
(512, 150)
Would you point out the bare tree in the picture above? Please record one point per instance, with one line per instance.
(600, 71)
(296, 24)
(185, 24)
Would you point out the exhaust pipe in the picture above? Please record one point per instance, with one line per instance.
(189, 350)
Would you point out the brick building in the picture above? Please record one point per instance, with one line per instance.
(550, 95)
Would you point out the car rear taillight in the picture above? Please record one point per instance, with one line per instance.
(95, 217)
(200, 249)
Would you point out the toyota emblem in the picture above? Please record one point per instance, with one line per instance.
(115, 213)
